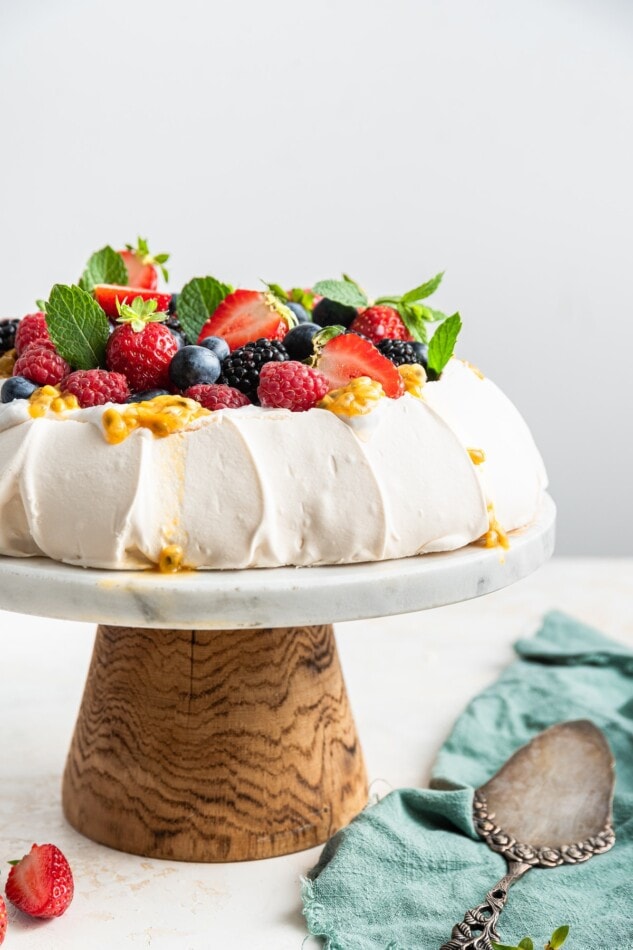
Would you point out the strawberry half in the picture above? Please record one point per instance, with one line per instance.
(3, 919)
(41, 884)
(248, 315)
(348, 356)
(143, 266)
(107, 295)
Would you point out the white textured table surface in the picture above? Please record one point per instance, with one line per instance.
(408, 678)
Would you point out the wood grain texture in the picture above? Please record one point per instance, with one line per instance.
(220, 745)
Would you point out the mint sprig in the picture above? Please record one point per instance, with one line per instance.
(443, 343)
(556, 941)
(77, 326)
(104, 267)
(197, 301)
(414, 314)
(346, 292)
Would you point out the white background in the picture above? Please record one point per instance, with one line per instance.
(292, 141)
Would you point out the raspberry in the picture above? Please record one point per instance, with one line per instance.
(7, 334)
(95, 387)
(142, 356)
(32, 327)
(380, 323)
(217, 396)
(42, 365)
(242, 367)
(291, 385)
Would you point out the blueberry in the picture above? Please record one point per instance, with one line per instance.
(329, 313)
(17, 387)
(217, 345)
(173, 304)
(148, 394)
(298, 341)
(178, 335)
(299, 311)
(192, 365)
(421, 351)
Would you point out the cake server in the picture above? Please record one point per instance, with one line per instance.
(550, 804)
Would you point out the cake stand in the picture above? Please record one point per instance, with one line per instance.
(215, 724)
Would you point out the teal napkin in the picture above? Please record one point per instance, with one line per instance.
(405, 870)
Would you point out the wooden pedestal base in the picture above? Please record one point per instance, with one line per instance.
(220, 745)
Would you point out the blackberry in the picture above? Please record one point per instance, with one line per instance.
(7, 334)
(401, 352)
(242, 367)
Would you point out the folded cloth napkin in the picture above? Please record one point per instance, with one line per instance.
(406, 869)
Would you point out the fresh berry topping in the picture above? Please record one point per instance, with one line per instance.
(329, 313)
(398, 351)
(7, 334)
(41, 364)
(95, 387)
(31, 328)
(143, 347)
(108, 295)
(357, 398)
(3, 919)
(217, 345)
(241, 369)
(291, 385)
(380, 323)
(172, 309)
(217, 397)
(298, 341)
(41, 884)
(193, 365)
(348, 356)
(248, 315)
(17, 387)
(143, 266)
(299, 311)
(148, 394)
(421, 352)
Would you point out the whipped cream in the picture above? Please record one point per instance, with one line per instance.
(255, 487)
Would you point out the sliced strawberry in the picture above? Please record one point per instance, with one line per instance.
(41, 883)
(248, 315)
(3, 919)
(107, 295)
(348, 356)
(139, 274)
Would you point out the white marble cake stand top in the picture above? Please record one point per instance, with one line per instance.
(273, 597)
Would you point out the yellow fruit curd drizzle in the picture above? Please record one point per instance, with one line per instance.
(49, 399)
(162, 415)
(495, 536)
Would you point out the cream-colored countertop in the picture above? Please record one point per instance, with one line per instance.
(408, 678)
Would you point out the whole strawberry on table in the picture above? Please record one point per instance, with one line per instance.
(116, 337)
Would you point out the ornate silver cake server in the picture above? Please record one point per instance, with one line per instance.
(550, 804)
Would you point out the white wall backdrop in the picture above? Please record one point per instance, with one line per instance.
(292, 141)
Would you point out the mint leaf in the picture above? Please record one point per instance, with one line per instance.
(443, 343)
(526, 944)
(77, 326)
(424, 290)
(414, 321)
(104, 267)
(559, 937)
(345, 292)
(197, 301)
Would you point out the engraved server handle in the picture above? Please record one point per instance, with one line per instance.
(479, 927)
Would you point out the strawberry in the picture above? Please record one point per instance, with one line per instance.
(32, 327)
(142, 266)
(217, 396)
(380, 323)
(95, 387)
(41, 884)
(291, 385)
(41, 364)
(248, 315)
(142, 347)
(107, 296)
(348, 356)
(3, 919)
